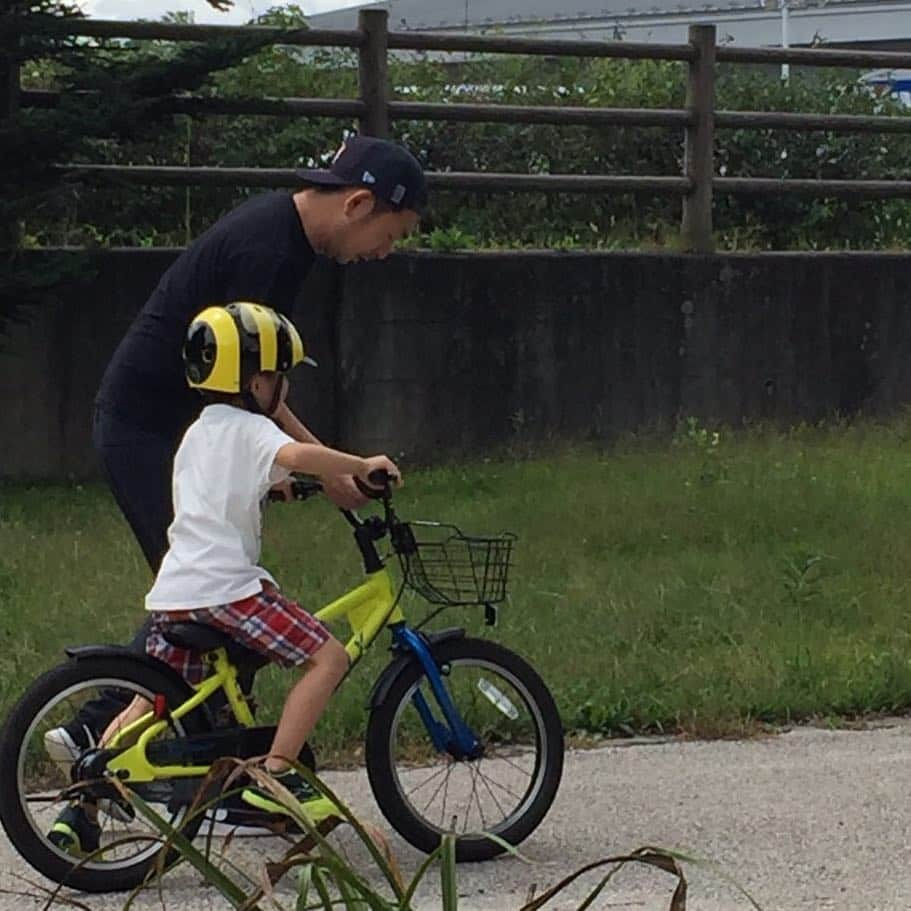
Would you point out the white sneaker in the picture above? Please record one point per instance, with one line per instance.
(64, 749)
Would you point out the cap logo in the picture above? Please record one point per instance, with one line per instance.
(368, 178)
(398, 194)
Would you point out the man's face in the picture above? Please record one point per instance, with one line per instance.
(361, 233)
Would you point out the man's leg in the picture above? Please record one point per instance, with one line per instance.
(138, 467)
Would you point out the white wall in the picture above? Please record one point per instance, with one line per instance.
(759, 27)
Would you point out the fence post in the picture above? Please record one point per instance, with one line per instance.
(373, 82)
(698, 156)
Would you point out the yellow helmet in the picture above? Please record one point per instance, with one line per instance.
(227, 345)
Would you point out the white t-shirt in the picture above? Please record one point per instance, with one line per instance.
(224, 467)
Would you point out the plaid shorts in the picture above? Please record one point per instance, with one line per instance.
(266, 623)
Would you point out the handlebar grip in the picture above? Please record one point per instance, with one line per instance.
(381, 479)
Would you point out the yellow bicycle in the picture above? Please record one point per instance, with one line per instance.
(463, 735)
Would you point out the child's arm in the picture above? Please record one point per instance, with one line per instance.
(340, 488)
(319, 460)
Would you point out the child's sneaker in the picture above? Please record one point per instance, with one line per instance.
(313, 804)
(74, 832)
(233, 816)
(64, 745)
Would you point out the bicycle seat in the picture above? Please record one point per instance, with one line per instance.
(201, 637)
(197, 636)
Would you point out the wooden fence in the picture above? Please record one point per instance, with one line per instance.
(375, 111)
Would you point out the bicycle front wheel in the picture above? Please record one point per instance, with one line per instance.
(506, 790)
(87, 838)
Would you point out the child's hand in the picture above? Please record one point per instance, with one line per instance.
(383, 463)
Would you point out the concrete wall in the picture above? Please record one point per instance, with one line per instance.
(437, 356)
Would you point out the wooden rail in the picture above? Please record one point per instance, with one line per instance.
(375, 110)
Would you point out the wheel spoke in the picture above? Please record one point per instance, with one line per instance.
(503, 787)
(515, 765)
(477, 776)
(486, 784)
(445, 795)
(429, 778)
(440, 787)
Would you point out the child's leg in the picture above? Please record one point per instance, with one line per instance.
(306, 703)
(136, 709)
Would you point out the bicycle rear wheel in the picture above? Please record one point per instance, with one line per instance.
(36, 764)
(506, 790)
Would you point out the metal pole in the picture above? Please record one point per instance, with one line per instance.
(373, 81)
(698, 158)
(785, 38)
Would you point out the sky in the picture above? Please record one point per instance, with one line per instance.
(243, 10)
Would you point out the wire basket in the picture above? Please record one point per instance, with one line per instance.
(445, 566)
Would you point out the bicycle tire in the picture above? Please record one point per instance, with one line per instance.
(395, 806)
(32, 845)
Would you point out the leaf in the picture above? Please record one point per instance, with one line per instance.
(663, 860)
(236, 896)
(449, 886)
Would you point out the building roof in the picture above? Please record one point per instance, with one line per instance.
(752, 22)
(475, 14)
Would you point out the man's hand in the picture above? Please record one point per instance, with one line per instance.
(343, 492)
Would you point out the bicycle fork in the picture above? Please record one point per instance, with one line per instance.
(452, 735)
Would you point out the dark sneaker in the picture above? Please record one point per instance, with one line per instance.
(74, 833)
(311, 803)
(64, 745)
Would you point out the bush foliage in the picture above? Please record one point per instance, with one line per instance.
(141, 134)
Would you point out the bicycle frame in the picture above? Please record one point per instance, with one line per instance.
(369, 608)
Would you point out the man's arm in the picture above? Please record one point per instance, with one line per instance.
(340, 489)
(293, 426)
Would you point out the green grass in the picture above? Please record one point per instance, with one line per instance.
(697, 584)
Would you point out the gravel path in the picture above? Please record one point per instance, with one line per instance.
(810, 819)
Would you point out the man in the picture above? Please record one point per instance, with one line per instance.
(370, 197)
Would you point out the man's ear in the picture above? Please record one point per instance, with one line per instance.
(359, 204)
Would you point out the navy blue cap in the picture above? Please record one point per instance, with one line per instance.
(385, 168)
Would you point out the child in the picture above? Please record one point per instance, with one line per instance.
(228, 460)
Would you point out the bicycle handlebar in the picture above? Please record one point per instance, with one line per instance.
(380, 483)
(300, 490)
(379, 487)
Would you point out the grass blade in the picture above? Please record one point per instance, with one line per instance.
(235, 895)
(405, 904)
(322, 889)
(304, 881)
(450, 889)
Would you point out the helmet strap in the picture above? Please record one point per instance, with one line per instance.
(251, 403)
(276, 400)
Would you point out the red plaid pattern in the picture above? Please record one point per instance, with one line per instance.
(267, 623)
